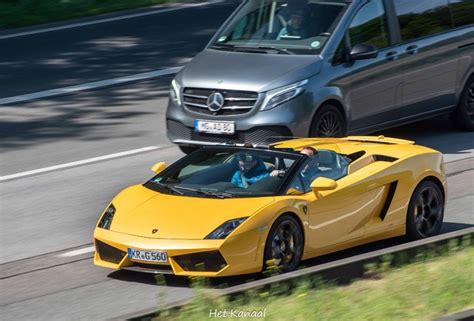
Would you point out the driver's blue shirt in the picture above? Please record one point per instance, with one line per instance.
(238, 179)
(244, 180)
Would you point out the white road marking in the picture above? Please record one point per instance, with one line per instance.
(94, 22)
(78, 163)
(90, 85)
(78, 252)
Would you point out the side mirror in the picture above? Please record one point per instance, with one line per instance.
(158, 167)
(363, 51)
(323, 184)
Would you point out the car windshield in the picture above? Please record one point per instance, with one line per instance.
(227, 172)
(284, 27)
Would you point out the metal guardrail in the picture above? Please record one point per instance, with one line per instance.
(467, 315)
(343, 269)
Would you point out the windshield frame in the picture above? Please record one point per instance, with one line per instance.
(213, 43)
(298, 157)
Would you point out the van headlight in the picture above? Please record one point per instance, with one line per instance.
(175, 92)
(280, 95)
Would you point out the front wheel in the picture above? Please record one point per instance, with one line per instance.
(425, 211)
(328, 122)
(284, 245)
(463, 115)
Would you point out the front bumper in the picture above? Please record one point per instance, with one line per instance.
(291, 119)
(240, 254)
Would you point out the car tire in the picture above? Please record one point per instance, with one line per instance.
(284, 256)
(425, 211)
(463, 115)
(187, 149)
(328, 122)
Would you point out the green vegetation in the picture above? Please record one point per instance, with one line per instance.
(21, 13)
(435, 284)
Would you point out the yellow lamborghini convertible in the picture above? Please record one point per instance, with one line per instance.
(228, 210)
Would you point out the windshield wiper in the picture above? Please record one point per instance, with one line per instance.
(217, 194)
(259, 49)
(169, 188)
(206, 193)
(279, 50)
(223, 46)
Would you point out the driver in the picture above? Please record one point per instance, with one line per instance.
(251, 170)
(294, 27)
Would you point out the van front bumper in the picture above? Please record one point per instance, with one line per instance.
(291, 119)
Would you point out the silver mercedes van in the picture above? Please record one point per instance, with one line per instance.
(326, 68)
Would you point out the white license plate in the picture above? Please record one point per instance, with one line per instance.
(147, 256)
(214, 127)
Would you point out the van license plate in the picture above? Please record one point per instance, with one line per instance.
(214, 127)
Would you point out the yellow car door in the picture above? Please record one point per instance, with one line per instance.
(340, 215)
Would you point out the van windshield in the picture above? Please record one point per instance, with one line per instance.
(288, 27)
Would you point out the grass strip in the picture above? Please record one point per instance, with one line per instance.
(22, 13)
(430, 287)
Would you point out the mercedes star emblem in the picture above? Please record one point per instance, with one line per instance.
(215, 102)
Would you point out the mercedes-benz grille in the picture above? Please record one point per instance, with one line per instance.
(235, 102)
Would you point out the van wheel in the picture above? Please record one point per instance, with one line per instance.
(187, 149)
(328, 122)
(284, 245)
(463, 115)
(425, 211)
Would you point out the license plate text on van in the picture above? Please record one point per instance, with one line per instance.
(214, 127)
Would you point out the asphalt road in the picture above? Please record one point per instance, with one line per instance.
(109, 50)
(44, 216)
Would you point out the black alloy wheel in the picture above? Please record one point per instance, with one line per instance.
(284, 246)
(328, 122)
(463, 115)
(426, 211)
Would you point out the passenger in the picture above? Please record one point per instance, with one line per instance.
(295, 27)
(251, 170)
(308, 151)
(311, 170)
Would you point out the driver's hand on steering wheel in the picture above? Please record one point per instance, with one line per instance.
(277, 172)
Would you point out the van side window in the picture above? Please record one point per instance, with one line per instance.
(369, 26)
(422, 18)
(463, 12)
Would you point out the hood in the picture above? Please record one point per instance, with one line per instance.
(245, 71)
(140, 210)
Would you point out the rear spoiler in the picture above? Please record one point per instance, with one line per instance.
(378, 139)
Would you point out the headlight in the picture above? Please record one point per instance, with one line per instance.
(107, 218)
(280, 95)
(175, 92)
(225, 229)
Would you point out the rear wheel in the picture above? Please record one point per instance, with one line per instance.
(425, 211)
(328, 122)
(284, 246)
(463, 116)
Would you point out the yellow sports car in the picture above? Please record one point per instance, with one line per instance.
(228, 210)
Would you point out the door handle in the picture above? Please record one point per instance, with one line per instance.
(392, 55)
(411, 50)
